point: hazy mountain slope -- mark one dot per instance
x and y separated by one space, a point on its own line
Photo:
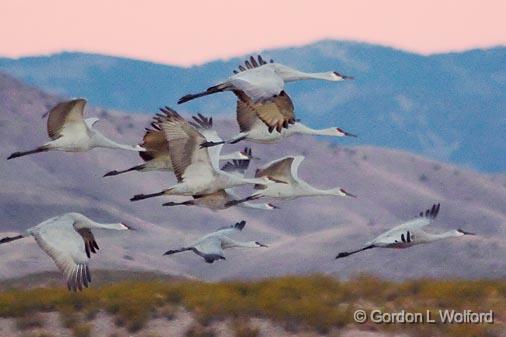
449 106
304 235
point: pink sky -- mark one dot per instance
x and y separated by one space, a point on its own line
192 32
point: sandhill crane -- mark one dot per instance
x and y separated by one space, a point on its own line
157 157
287 184
409 234
197 170
205 126
69 241
211 246
274 111
70 132
226 198
261 81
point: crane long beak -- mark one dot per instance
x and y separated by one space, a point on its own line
465 232
343 254
344 77
347 193
346 133
276 180
128 227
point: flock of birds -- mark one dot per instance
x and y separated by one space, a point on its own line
192 149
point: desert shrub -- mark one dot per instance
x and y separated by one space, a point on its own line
197 330
316 302
90 313
81 330
132 317
30 321
459 330
80 300
244 329
37 334
17 303
133 303
174 296
136 323
214 302
168 312
374 289
68 316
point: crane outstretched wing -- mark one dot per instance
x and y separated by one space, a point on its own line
67 248
259 84
154 141
424 218
64 113
252 63
282 169
90 244
184 146
238 166
406 230
237 227
209 246
276 113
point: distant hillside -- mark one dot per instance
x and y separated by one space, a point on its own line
101 278
303 236
449 107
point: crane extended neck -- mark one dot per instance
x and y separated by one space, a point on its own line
306 130
99 140
455 233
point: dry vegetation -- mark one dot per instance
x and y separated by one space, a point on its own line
317 303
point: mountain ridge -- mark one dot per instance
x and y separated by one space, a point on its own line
239 56
446 106
304 235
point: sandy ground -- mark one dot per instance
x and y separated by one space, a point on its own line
103 326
